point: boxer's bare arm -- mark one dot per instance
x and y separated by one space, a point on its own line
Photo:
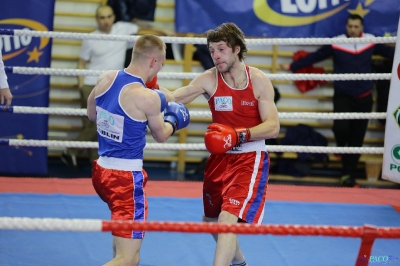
143 104
203 84
264 93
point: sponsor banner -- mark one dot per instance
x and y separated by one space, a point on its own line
391 157
287 18
28 90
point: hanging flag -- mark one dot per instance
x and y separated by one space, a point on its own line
391 156
27 90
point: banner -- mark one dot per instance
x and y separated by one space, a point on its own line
391 156
287 18
28 90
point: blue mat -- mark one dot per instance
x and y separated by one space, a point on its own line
171 249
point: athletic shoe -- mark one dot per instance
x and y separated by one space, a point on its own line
69 160
239 264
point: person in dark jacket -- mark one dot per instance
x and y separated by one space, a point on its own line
349 95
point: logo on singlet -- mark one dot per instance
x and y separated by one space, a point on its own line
223 103
109 125
244 103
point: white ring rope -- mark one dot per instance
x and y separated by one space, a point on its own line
183 75
195 40
96 225
193 146
171 75
50 224
205 114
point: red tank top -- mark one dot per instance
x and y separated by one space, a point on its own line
234 107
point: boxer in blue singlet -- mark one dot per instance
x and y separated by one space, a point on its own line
123 108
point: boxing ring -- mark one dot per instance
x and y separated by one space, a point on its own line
346 231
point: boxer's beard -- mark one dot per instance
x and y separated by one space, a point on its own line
228 66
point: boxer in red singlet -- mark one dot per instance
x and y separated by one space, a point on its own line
241 100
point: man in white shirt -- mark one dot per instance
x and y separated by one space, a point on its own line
100 55
5 94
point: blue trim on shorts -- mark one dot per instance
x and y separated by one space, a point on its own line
260 191
138 197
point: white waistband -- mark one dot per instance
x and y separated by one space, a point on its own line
120 164
257 145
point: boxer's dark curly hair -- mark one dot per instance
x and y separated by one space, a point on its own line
229 33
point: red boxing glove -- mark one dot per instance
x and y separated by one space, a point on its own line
152 84
221 138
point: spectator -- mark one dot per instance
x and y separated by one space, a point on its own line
128 10
349 96
5 94
140 12
102 55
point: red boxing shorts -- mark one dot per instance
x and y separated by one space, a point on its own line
124 193
236 183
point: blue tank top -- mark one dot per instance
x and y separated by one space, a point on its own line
119 135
